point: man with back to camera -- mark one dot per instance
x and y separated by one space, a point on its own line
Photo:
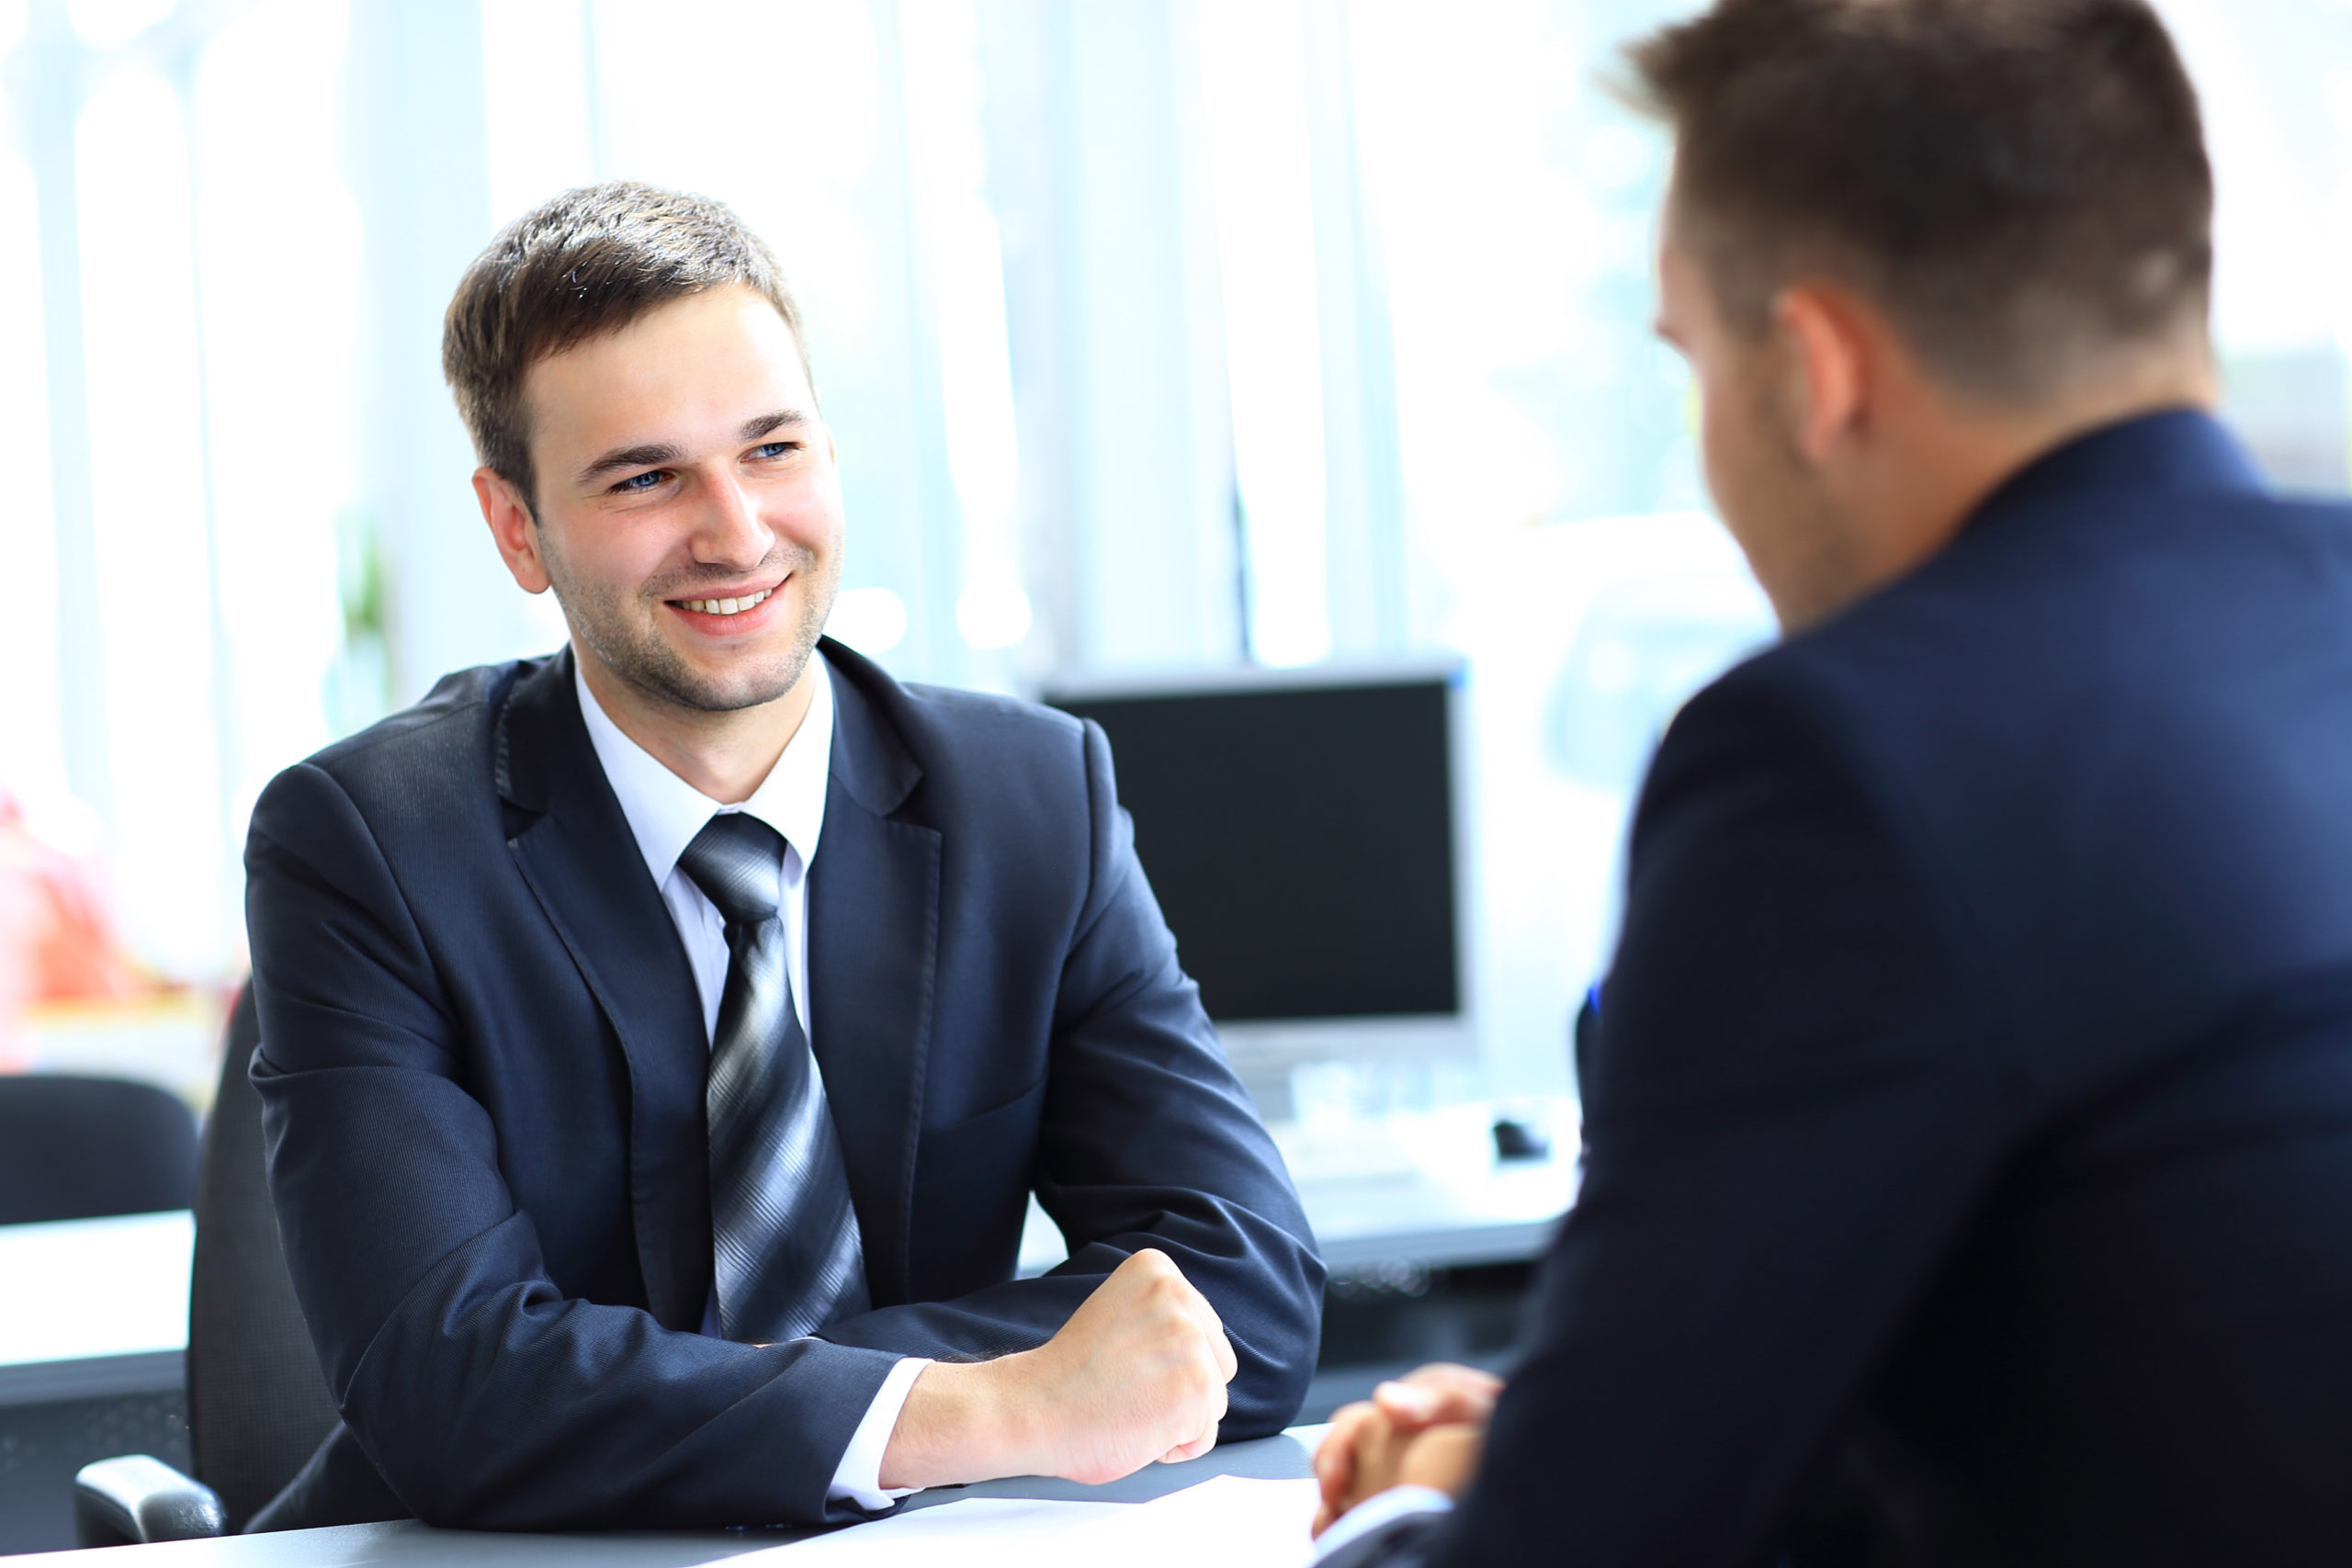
1969 1125
660 1041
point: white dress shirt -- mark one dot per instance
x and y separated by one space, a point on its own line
665 812
1378 1511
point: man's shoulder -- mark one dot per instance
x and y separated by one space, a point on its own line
2109 600
2131 704
444 744
2145 650
954 735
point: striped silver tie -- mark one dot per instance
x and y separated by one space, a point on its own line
786 1255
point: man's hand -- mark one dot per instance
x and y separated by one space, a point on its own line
1425 1429
1137 1374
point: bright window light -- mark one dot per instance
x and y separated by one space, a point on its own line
154 596
13 15
1492 236
1584 638
535 73
871 620
31 740
103 24
800 75
993 613
959 233
1254 80
279 238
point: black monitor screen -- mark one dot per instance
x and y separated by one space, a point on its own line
1301 840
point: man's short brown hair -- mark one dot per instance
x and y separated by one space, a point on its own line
2018 183
590 262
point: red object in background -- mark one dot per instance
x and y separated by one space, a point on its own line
58 941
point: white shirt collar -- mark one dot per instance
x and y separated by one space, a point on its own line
666 812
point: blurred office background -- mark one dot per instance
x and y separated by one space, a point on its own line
1163 335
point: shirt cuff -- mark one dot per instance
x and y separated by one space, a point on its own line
858 1478
1380 1509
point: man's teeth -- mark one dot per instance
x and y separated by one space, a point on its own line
726 606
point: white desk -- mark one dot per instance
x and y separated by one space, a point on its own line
412 1545
94 1308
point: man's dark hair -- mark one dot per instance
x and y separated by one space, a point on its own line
590 262
2015 182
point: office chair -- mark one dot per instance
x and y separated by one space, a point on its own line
74 1148
257 1404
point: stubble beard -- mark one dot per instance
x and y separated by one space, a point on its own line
620 631
1785 523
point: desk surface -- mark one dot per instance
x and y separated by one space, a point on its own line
94 1308
408 1544
97 1308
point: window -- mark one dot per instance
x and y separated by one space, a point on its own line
1169 333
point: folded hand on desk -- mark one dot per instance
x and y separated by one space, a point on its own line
1138 1373
1425 1429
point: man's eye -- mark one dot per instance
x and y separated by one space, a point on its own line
649 479
776 449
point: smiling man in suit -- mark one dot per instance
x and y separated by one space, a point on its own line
662 1039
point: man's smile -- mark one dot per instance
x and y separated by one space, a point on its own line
726 606
731 614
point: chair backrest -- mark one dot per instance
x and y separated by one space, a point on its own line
257 1404
74 1148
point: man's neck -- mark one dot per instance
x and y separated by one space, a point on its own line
726 756
1930 489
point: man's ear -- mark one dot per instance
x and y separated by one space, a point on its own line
509 516
1827 354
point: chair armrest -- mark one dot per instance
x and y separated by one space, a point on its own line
138 1498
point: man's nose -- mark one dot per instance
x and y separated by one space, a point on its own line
730 531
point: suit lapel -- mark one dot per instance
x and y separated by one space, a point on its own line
873 960
575 850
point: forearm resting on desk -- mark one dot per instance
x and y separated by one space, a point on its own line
1138 1373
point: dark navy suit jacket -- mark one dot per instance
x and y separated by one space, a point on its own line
481 1072
1970 1120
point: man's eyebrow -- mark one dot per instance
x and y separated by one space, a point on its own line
652 455
769 424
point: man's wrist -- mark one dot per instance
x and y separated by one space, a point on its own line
958 1425
857 1479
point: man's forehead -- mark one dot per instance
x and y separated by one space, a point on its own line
712 361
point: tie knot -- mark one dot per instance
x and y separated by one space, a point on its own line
738 862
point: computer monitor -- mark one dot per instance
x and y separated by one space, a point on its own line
1303 832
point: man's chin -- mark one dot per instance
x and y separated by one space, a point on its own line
728 696
682 686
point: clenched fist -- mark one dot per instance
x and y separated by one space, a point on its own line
1138 1373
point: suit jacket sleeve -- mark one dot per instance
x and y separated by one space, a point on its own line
1790 1113
481 1394
1148 1141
